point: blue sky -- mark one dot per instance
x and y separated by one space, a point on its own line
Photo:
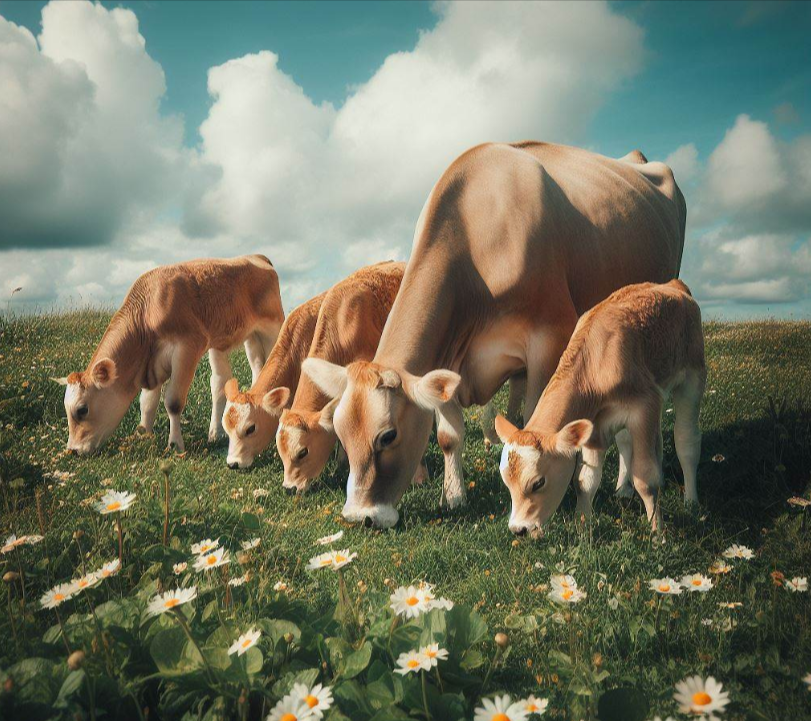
726 84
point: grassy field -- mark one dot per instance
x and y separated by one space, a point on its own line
756 419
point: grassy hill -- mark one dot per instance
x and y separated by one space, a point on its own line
756 419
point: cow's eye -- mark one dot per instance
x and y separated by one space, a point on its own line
540 483
250 429
302 453
386 438
81 412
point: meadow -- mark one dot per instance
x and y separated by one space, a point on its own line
617 653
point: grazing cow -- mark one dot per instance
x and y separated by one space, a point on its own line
350 322
626 355
171 316
251 419
514 243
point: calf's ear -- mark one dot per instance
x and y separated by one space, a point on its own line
231 389
572 436
325 420
60 381
103 373
330 378
274 401
504 429
436 388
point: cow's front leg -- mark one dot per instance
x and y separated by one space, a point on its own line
220 373
184 362
588 479
421 474
150 398
450 435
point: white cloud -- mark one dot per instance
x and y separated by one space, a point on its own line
683 161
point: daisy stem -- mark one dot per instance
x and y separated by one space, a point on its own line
120 539
425 696
165 508
178 614
391 633
100 632
62 628
439 680
490 670
656 617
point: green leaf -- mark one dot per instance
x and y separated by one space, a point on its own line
357 662
254 660
251 521
623 704
71 686
174 654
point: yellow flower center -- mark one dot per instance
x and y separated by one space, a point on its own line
339 558
311 700
326 561
430 653
247 642
83 583
171 602
413 663
567 594
59 597
500 717
664 588
701 698
114 506
289 717
211 560
696 581
531 708
412 601
105 572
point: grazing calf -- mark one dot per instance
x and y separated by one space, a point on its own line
171 316
626 354
349 326
251 419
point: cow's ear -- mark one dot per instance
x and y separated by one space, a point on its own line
504 429
231 389
388 378
436 388
274 401
103 373
326 418
330 378
573 436
60 381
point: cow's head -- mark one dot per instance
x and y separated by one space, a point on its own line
94 404
305 441
383 420
537 470
250 422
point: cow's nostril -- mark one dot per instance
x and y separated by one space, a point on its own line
520 531
368 522
73 452
233 466
291 490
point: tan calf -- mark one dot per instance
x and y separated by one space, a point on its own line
625 356
171 316
251 419
349 326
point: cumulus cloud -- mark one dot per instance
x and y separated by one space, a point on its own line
683 161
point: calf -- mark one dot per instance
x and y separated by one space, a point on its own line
171 316
251 419
626 354
350 322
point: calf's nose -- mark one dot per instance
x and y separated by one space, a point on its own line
290 490
233 465
520 531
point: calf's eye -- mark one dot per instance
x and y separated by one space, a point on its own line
302 453
81 412
387 438
540 483
250 429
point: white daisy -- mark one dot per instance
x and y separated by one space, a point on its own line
797 584
290 709
86 582
699 697
500 708
323 560
244 642
253 543
238 581
666 586
342 558
434 654
260 492
410 601
412 662
57 595
178 568
567 595
280 586
205 546
720 566
216 558
115 502
326 540
433 602
111 568
533 704
736 551
696 582
565 582
318 698
164 602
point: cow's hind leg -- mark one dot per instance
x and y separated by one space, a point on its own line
590 473
686 432
149 408
625 486
184 362
645 426
220 373
450 434
255 350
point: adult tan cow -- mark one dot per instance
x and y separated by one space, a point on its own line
171 316
250 419
350 322
514 243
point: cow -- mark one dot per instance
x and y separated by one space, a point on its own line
627 354
514 243
170 317
250 419
350 322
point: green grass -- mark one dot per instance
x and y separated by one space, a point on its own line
760 651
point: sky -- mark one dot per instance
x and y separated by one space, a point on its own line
134 134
